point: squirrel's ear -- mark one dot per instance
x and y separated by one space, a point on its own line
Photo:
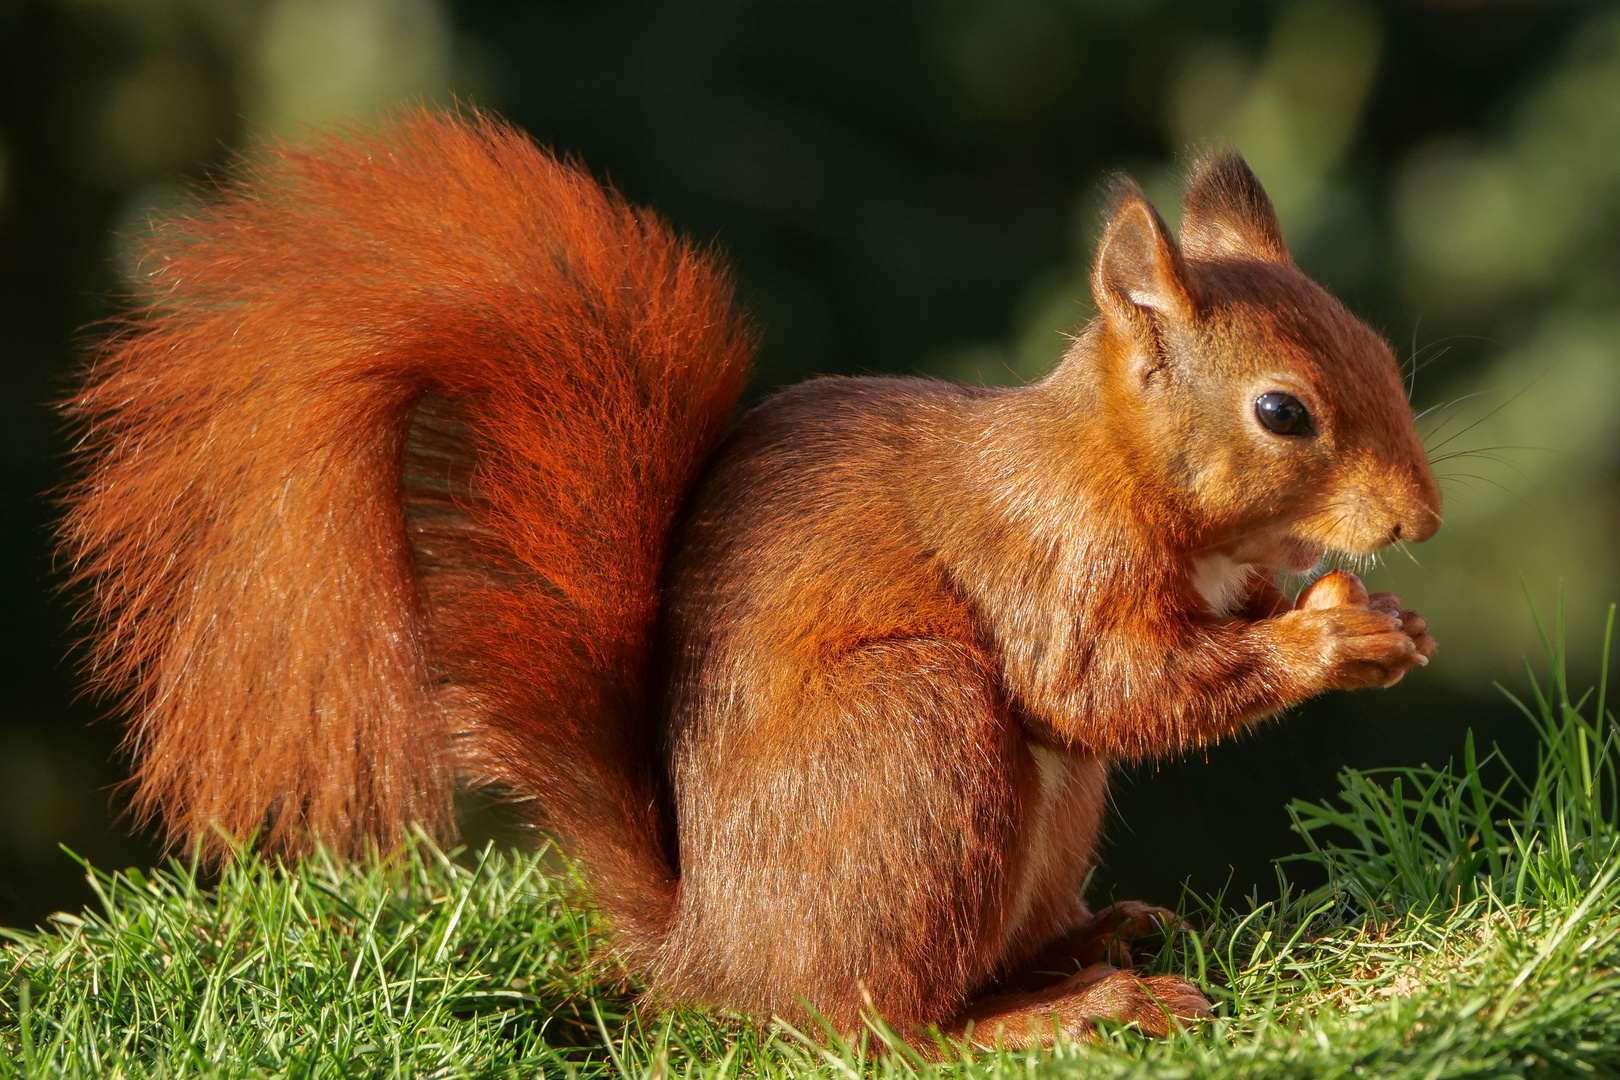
1138 267
1226 214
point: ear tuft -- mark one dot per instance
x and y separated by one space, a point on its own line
1139 267
1226 214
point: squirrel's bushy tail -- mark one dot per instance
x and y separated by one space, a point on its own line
378 489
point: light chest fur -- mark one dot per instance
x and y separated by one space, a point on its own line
1222 582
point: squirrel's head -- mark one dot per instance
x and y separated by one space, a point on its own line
1274 423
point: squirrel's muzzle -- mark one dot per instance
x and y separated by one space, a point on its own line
1410 506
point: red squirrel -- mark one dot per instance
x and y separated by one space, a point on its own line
418 468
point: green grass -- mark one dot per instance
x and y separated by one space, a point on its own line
1470 927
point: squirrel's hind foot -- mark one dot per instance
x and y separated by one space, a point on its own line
1154 1004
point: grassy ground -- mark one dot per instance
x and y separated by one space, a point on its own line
1471 927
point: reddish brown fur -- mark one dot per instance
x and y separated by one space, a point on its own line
384 480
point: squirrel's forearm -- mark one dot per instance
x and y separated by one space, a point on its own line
1265 600
1202 682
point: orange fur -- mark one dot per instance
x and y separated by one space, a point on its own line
404 479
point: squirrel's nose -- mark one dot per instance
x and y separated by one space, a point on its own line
1416 526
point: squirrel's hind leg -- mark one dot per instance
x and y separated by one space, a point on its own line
844 841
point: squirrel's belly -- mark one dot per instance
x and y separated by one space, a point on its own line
1060 832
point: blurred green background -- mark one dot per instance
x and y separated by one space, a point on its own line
911 186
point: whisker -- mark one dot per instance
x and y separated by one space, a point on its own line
1440 425
1498 485
1441 347
1440 351
1411 381
1522 391
1485 449
1442 406
1506 463
1439 354
1447 404
1513 465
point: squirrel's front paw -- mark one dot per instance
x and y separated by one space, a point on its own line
1413 626
1360 640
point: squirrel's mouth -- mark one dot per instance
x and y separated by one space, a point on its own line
1296 556
1285 552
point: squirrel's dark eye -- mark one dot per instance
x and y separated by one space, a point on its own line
1283 413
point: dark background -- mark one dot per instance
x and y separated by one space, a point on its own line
908 187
